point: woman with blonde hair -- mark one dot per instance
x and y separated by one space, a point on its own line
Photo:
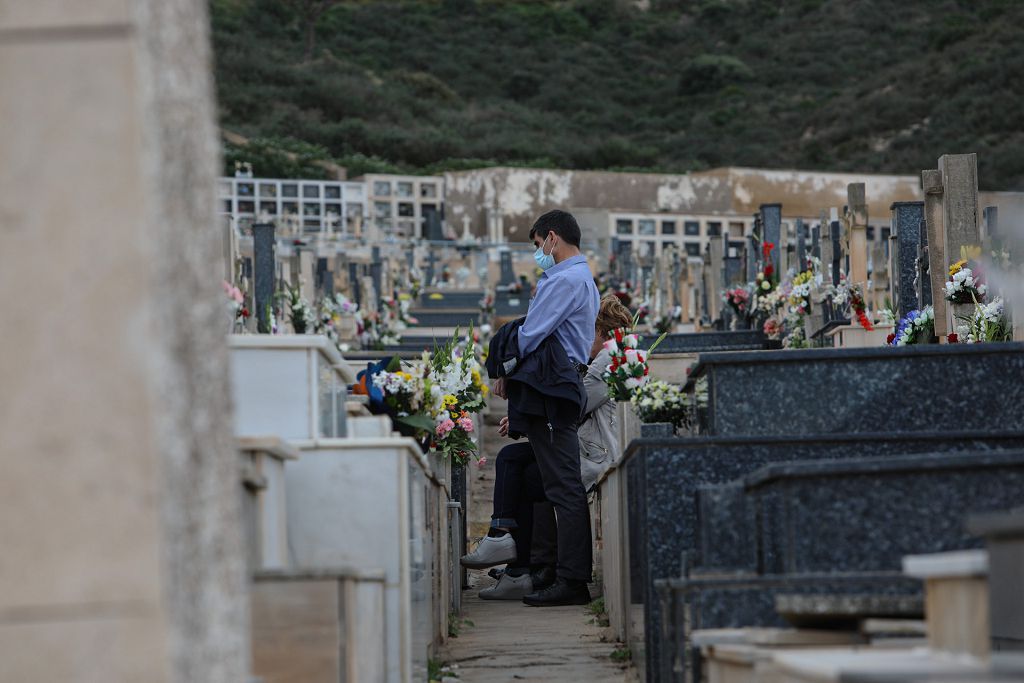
518 486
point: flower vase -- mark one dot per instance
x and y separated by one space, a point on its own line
961 314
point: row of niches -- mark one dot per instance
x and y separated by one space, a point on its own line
283 208
403 188
273 190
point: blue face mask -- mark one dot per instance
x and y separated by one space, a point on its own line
544 261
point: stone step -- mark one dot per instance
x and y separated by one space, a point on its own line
909 389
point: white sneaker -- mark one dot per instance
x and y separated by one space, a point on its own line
509 588
491 551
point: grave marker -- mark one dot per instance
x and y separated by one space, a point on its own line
431 263
959 215
931 184
324 278
716 278
771 222
801 246
263 245
353 279
307 274
858 236
922 280
907 225
835 251
750 256
376 271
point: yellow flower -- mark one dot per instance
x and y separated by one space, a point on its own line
484 390
450 400
970 252
403 374
955 268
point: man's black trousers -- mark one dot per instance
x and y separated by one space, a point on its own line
558 457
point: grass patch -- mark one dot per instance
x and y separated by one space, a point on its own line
457 624
596 609
621 655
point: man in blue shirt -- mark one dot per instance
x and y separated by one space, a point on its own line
566 306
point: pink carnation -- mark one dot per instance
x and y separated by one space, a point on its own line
444 427
465 424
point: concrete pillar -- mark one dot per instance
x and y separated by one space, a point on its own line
119 503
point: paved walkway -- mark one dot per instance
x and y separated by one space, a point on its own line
509 641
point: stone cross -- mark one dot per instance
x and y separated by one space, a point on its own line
263 244
858 235
931 184
907 226
771 223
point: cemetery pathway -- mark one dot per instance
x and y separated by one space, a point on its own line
507 641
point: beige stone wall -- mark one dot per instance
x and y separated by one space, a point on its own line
119 500
518 196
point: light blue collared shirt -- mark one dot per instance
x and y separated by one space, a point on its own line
566 305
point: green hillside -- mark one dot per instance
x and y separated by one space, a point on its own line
869 85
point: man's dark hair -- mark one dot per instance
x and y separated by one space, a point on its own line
559 222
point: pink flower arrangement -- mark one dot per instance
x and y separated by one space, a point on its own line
465 424
738 298
444 427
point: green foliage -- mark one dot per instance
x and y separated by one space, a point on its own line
427 86
277 158
621 655
597 610
456 624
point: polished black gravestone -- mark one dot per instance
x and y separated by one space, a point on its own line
908 224
264 265
821 529
667 476
860 391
